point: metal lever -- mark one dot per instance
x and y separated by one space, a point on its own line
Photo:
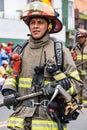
60 89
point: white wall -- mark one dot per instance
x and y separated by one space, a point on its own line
11 7
71 15
10 28
57 4
13 29
61 36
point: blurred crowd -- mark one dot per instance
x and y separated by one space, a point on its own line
5 53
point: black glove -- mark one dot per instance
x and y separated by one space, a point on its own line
62 79
59 76
49 89
10 100
65 83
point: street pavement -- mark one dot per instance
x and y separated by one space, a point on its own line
4 113
79 124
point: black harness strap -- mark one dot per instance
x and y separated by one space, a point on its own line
58 47
19 48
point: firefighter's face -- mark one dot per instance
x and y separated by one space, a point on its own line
38 27
81 40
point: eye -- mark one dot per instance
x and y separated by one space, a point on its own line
32 22
40 22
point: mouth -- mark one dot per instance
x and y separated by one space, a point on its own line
36 31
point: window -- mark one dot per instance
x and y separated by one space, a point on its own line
70 9
1 5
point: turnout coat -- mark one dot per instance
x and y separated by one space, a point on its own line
34 53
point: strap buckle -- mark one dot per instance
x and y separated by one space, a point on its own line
32 103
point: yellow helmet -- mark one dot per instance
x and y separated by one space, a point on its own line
42 10
4 44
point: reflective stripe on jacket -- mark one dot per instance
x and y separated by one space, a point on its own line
83 72
81 52
47 125
14 122
10 83
74 75
79 57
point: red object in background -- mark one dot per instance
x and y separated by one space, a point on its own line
10 43
74 55
8 49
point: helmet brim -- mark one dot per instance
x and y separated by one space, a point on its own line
57 24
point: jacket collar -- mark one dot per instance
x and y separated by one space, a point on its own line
39 43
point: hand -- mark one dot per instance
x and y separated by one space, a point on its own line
10 100
62 80
65 83
49 89
59 76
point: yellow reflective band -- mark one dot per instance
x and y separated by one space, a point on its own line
15 122
64 127
75 75
83 72
84 57
24 85
44 124
84 101
25 79
47 82
25 82
78 57
10 82
8 71
71 91
59 76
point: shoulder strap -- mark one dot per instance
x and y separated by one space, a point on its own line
19 48
58 47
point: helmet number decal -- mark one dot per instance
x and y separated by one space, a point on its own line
35 6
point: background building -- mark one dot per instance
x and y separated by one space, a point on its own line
81 14
68 20
11 27
14 29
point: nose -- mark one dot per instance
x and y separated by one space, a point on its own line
36 25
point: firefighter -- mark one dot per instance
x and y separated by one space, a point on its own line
39 71
80 58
